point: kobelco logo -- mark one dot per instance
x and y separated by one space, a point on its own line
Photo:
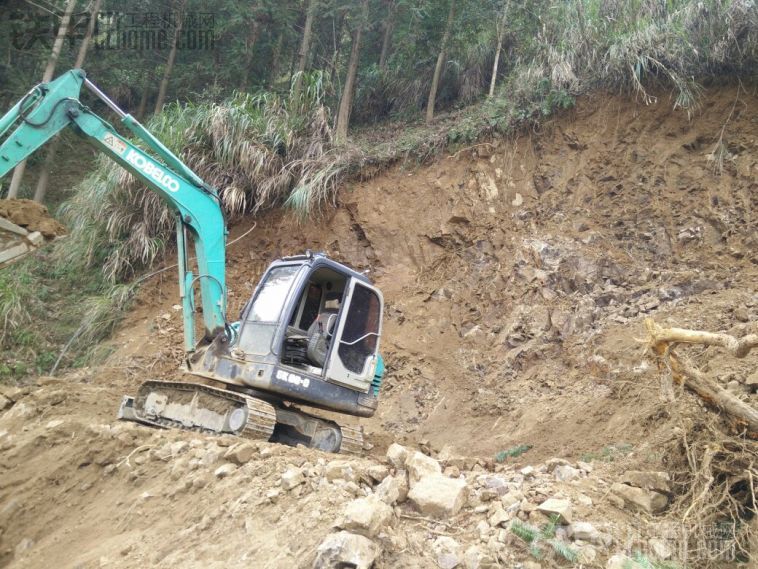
153 171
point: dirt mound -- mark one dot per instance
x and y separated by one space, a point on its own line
32 216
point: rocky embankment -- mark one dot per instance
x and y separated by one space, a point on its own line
119 487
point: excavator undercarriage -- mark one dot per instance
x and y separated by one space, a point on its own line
213 410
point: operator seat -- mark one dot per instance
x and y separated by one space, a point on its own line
319 338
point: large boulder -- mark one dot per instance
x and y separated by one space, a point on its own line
439 496
345 549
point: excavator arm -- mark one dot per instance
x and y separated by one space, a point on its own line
50 107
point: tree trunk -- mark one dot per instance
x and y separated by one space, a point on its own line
494 69
440 63
389 27
142 108
18 172
276 57
500 34
346 102
44 178
305 45
82 55
337 31
252 39
170 63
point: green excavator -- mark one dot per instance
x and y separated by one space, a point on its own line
309 336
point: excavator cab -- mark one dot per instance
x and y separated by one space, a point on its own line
309 336
314 317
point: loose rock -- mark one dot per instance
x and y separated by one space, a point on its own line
345 549
366 516
640 500
396 455
419 465
584 531
438 496
240 453
340 469
658 481
393 489
447 552
564 473
225 470
499 517
292 478
559 507
377 472
622 562
660 548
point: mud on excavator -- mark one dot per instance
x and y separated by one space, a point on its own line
308 336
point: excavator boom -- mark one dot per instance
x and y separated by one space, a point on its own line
50 107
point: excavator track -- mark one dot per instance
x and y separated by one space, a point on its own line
352 440
201 408
196 407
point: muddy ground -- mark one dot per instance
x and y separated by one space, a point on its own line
516 276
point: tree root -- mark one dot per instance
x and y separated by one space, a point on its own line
662 342
717 505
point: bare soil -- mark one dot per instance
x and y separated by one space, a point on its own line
516 277
32 216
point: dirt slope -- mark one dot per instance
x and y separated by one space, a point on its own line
517 274
516 277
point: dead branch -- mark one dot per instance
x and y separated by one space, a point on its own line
738 347
662 342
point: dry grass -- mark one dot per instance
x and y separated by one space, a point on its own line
259 151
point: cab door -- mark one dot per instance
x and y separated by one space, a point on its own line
355 345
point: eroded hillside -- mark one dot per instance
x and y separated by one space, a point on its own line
516 277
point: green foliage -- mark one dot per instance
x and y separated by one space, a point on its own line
260 151
641 560
45 305
609 453
19 300
536 538
511 452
